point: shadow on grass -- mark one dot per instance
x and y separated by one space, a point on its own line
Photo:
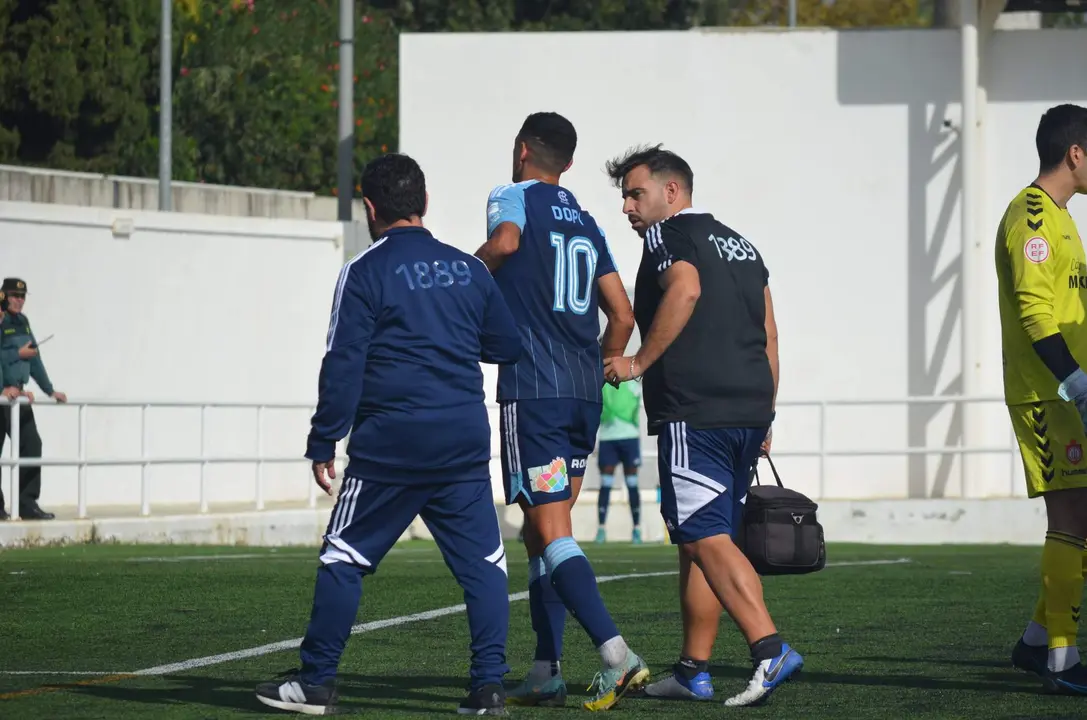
358 693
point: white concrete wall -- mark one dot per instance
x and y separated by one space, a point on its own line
63 187
189 307
826 149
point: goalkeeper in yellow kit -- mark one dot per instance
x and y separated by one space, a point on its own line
1042 282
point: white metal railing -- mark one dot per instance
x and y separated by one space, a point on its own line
82 462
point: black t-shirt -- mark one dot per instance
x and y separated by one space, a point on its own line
716 373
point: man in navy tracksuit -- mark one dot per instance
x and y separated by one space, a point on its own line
411 320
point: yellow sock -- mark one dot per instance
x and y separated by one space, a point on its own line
1062 582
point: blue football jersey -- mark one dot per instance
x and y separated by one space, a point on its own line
550 287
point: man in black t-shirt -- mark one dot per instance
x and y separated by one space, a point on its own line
709 363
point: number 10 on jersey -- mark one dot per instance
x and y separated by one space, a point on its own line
568 290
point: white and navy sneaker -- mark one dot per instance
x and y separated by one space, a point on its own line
769 675
486 700
678 686
294 695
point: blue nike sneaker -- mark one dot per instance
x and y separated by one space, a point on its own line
769 675
677 686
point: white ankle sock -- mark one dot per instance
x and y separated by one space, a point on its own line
1035 635
614 652
1063 658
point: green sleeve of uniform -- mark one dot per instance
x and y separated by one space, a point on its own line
37 370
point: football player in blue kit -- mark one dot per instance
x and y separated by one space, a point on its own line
412 318
553 266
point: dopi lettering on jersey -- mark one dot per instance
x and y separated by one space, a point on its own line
1036 250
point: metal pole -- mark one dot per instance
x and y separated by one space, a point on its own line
346 147
792 13
973 419
166 106
14 430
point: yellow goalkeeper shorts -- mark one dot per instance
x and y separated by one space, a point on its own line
1051 440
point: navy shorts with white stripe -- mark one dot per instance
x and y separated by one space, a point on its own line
546 444
704 476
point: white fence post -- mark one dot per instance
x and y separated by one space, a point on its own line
145 472
260 454
13 419
81 476
822 449
312 484
203 460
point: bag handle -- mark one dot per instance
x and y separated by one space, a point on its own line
772 468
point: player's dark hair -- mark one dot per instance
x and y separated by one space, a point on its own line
551 140
395 184
659 162
1060 128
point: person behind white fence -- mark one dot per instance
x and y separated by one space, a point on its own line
20 361
620 446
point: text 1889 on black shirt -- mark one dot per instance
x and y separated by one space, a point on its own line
716 373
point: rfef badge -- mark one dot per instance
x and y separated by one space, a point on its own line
1074 452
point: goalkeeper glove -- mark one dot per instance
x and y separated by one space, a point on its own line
1074 389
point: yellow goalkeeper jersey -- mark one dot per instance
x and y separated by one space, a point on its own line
1042 283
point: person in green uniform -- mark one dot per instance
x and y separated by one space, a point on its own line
20 361
5 412
620 445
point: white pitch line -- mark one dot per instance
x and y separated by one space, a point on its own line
375 625
251 556
356 630
238 556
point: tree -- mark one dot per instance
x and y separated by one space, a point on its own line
75 80
255 81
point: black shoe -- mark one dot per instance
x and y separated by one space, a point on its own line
290 693
4 515
35 513
487 700
1072 681
1030 658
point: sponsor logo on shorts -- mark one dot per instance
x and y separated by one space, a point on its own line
578 463
551 478
1074 452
